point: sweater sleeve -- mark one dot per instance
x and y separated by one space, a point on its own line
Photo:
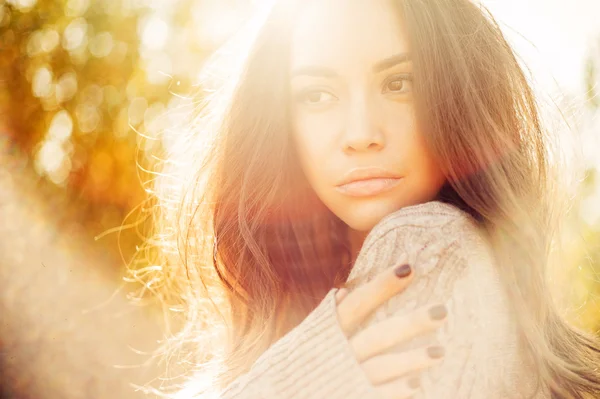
453 264
312 361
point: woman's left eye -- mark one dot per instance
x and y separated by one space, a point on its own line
398 85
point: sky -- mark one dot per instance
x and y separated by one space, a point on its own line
553 36
554 39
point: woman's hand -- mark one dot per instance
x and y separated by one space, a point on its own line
392 374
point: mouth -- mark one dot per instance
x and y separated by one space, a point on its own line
368 187
368 181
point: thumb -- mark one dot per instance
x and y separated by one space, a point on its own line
340 295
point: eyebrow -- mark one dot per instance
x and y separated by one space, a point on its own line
380 66
391 62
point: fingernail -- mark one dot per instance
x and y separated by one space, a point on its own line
414 383
402 271
435 352
438 312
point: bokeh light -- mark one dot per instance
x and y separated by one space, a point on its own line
75 34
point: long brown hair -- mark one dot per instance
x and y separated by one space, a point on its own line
247 250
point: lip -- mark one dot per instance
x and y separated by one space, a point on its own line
358 174
368 187
361 182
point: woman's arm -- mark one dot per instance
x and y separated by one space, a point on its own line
452 265
314 360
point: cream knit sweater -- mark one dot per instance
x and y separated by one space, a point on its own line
453 264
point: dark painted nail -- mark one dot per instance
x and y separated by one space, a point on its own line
402 271
435 352
414 383
438 312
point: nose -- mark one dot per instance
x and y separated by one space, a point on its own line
362 132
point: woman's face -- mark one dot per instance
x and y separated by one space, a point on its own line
352 107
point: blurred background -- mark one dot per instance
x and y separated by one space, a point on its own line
85 88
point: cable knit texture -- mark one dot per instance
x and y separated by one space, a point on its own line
453 264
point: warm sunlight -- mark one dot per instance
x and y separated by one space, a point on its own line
553 36
109 109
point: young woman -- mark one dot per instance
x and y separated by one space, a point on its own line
356 136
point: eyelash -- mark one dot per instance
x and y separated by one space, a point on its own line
301 97
401 77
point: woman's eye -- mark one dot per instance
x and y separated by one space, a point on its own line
316 97
398 85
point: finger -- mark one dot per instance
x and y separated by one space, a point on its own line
391 366
404 388
390 332
366 298
340 295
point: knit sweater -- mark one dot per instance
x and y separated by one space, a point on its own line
454 265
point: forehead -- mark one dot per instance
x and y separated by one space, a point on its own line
347 33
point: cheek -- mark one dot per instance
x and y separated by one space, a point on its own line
417 161
313 137
310 155
425 168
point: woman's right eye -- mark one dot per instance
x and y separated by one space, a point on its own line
316 97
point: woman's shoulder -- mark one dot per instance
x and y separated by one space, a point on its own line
427 235
437 218
452 261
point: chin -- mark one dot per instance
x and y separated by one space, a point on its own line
364 215
361 225
364 218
